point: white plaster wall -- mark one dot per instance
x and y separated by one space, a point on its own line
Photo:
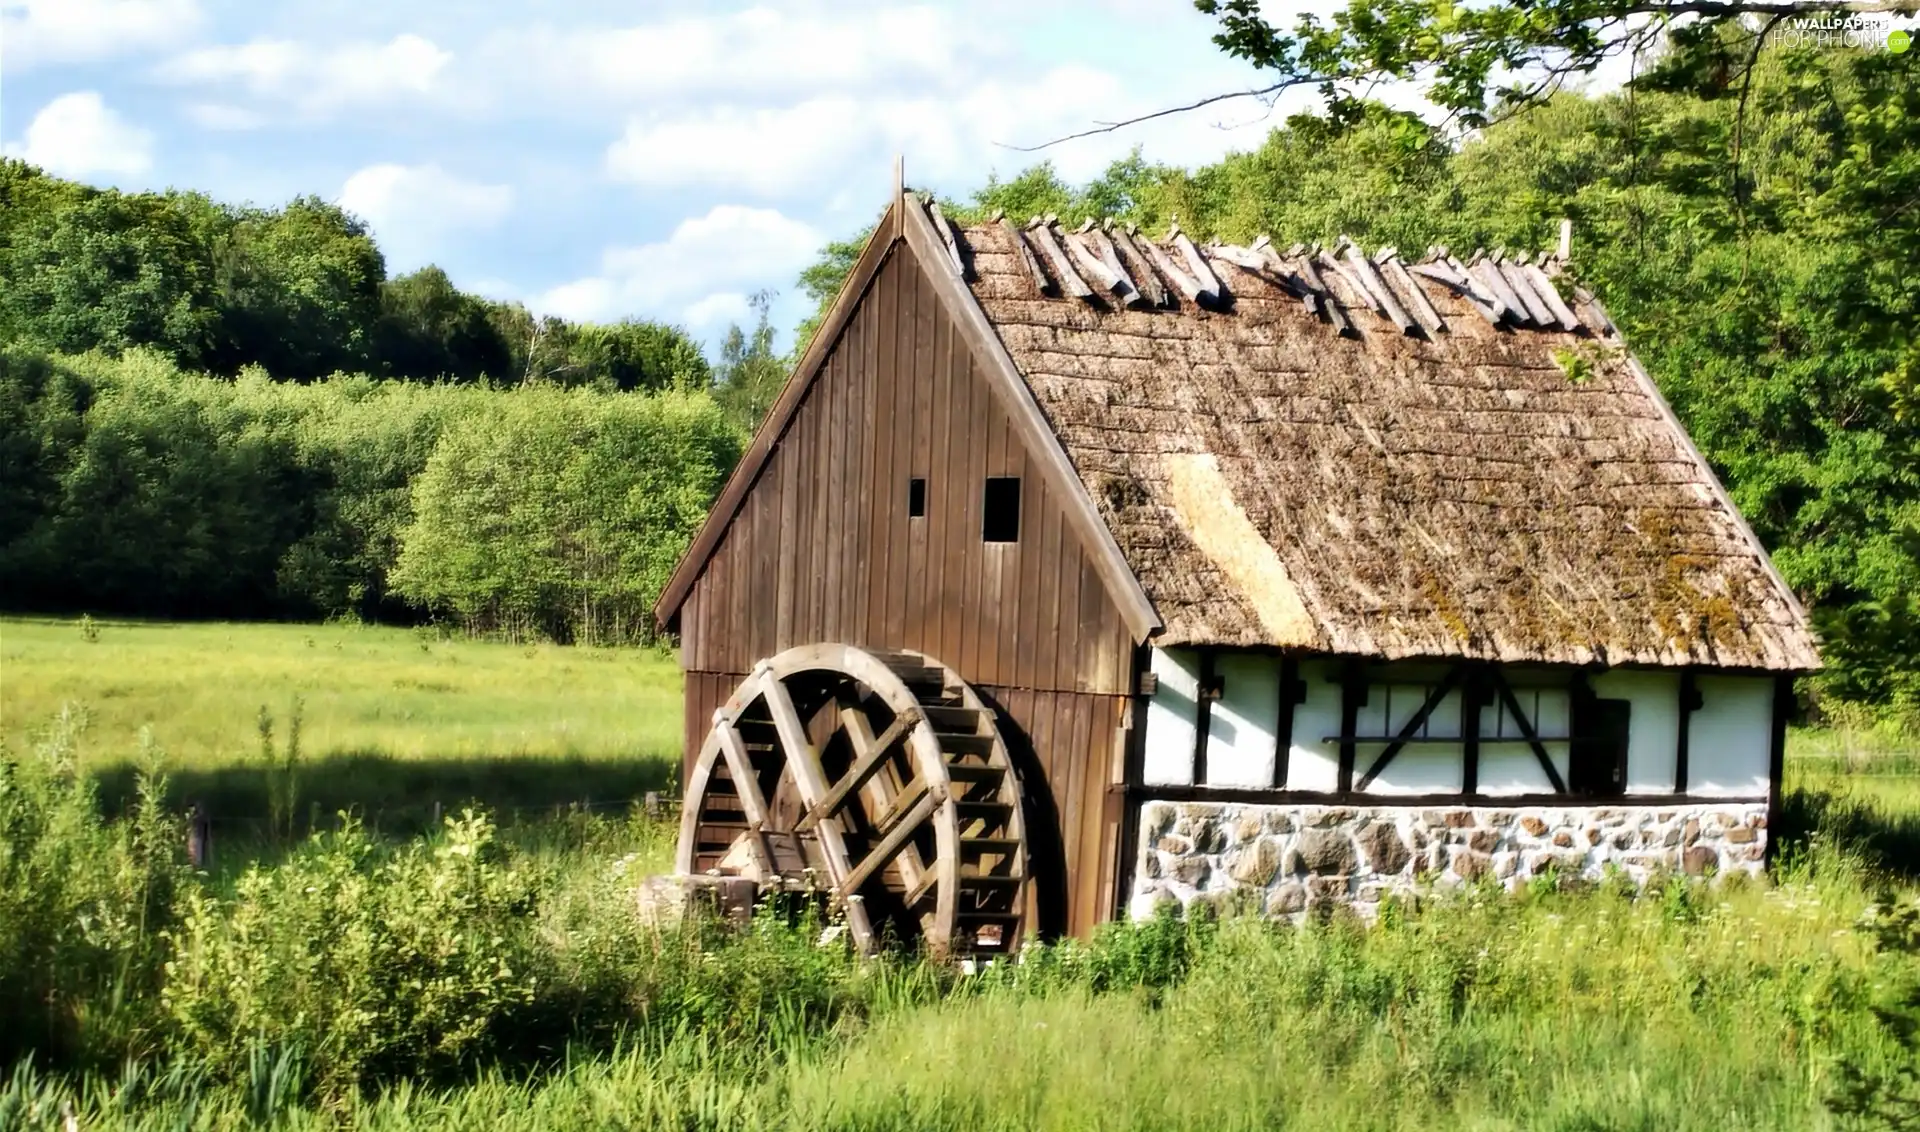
1730 737
1240 727
1513 768
1653 727
1419 768
1313 763
1170 716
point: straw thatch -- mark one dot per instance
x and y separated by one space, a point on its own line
1443 469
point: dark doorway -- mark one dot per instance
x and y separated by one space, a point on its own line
1598 759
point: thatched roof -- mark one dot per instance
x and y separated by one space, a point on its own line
1363 455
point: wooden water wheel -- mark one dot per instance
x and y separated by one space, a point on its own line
876 777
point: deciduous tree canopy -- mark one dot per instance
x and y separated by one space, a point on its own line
301 291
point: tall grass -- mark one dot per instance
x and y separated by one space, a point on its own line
1697 1009
468 980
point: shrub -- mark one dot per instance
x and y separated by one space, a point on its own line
364 962
561 513
129 485
83 905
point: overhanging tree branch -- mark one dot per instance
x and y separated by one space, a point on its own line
1456 51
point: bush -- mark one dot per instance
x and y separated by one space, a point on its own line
362 962
84 906
561 513
128 485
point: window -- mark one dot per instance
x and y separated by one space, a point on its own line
1000 510
916 497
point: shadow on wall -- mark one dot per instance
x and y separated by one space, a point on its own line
397 796
1046 850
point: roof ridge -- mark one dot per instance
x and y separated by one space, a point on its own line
1107 262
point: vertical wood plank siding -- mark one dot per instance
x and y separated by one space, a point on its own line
822 549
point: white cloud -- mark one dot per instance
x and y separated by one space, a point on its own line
77 136
715 311
317 80
755 53
39 32
763 149
696 275
412 208
813 146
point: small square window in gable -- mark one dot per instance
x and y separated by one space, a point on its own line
1000 510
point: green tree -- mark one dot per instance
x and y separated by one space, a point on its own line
431 329
107 270
750 373
561 513
636 355
1479 62
821 282
300 291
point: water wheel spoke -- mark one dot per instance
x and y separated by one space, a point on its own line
804 760
869 756
883 854
753 807
915 830
883 785
907 800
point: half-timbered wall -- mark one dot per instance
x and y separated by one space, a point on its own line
1291 783
1221 715
823 548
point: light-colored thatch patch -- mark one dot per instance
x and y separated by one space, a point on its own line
1203 501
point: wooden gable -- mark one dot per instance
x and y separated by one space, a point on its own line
812 541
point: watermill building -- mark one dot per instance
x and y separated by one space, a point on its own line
1079 570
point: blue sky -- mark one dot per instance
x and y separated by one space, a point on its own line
600 160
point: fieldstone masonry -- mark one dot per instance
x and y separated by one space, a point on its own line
1290 858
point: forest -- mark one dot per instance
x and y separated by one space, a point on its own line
276 418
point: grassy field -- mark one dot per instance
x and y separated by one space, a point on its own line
1739 1006
391 720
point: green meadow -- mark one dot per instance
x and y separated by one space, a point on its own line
390 721
493 971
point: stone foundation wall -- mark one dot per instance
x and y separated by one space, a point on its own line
1288 858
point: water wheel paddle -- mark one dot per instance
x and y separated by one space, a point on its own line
876 776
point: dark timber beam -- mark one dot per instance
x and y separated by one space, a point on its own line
1783 709
1265 797
1526 729
1293 693
1412 727
1690 702
1130 805
1353 696
1473 696
1203 697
